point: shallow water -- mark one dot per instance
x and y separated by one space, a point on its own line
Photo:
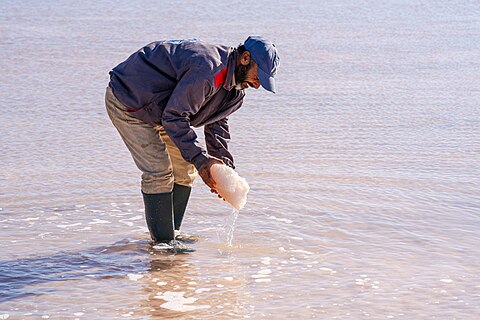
364 167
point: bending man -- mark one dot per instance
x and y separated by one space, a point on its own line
160 92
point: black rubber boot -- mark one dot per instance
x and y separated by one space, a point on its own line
159 216
181 194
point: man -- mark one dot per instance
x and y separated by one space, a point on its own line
161 91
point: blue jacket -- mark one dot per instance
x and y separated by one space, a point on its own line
178 84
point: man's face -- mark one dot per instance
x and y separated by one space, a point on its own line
247 76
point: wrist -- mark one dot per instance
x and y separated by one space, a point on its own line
200 160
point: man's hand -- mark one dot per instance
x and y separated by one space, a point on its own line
204 172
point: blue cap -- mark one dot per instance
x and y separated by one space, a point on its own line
264 53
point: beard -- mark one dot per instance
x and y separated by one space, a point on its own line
241 74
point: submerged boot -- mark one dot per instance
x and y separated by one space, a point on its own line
181 194
159 216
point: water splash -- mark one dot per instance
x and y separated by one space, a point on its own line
173 246
226 233
230 226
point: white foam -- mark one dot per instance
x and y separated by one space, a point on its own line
263 280
69 225
265 271
31 219
296 238
230 185
78 314
135 277
298 251
177 302
128 223
325 269
4 316
134 218
41 235
302 251
281 219
98 221
266 260
161 283
446 280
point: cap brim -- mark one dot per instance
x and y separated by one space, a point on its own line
267 82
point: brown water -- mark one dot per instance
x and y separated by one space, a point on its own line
364 167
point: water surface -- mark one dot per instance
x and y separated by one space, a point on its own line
364 167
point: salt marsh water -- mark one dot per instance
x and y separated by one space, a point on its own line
364 168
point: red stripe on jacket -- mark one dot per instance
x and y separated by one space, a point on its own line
221 77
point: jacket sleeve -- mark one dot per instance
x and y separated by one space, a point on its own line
217 137
186 99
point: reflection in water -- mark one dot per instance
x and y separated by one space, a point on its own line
186 291
172 285
169 294
18 276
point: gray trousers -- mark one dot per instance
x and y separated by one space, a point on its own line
152 150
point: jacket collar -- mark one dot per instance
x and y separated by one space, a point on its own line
230 78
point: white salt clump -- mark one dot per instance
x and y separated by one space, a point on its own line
230 185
